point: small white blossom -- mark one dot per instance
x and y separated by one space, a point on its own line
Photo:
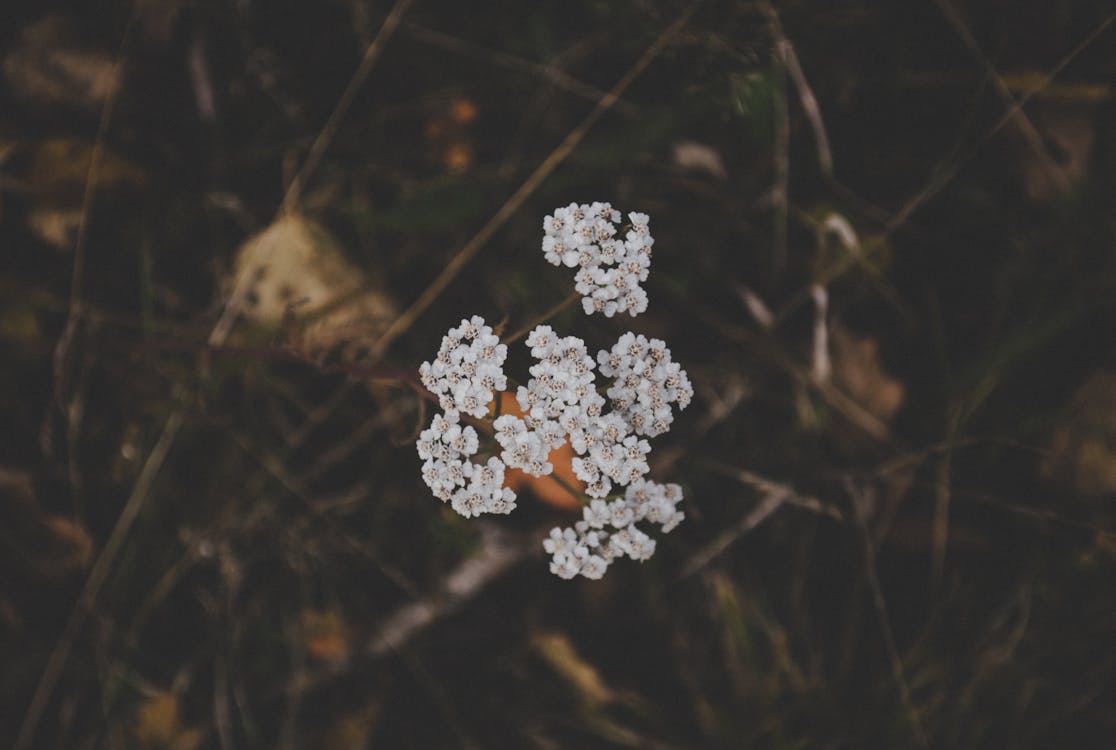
657 503
610 269
645 383
525 448
467 369
485 492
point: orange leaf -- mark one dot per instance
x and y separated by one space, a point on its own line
545 488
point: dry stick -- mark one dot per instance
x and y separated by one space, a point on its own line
97 577
542 318
512 204
949 172
75 407
951 169
313 157
329 130
77 275
1018 118
99 574
775 495
880 605
780 191
770 503
61 356
809 104
552 74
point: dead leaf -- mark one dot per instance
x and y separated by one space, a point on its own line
1068 133
449 140
547 489
559 653
325 635
57 178
59 170
698 157
1083 445
158 725
296 271
51 546
857 372
50 65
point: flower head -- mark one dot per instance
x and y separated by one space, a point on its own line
467 369
610 268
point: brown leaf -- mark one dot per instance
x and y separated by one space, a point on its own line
559 653
1083 445
296 271
858 373
325 635
49 65
156 722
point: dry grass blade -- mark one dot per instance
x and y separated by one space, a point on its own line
96 580
880 605
512 204
774 496
329 130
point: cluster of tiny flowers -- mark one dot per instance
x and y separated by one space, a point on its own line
464 374
646 382
470 488
610 269
607 530
561 402
467 369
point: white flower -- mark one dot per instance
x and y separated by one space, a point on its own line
632 542
610 269
525 448
657 503
467 369
485 492
646 382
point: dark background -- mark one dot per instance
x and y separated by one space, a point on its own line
226 542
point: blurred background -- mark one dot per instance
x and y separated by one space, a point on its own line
230 231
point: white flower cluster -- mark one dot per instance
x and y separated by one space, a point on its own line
561 402
610 270
464 374
607 530
646 383
470 488
467 369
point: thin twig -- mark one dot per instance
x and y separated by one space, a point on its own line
1022 123
97 577
770 503
514 63
880 605
949 171
573 297
513 203
136 501
780 190
77 273
809 104
774 496
329 130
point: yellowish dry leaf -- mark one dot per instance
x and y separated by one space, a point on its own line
1083 446
559 653
295 270
857 372
325 635
156 722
